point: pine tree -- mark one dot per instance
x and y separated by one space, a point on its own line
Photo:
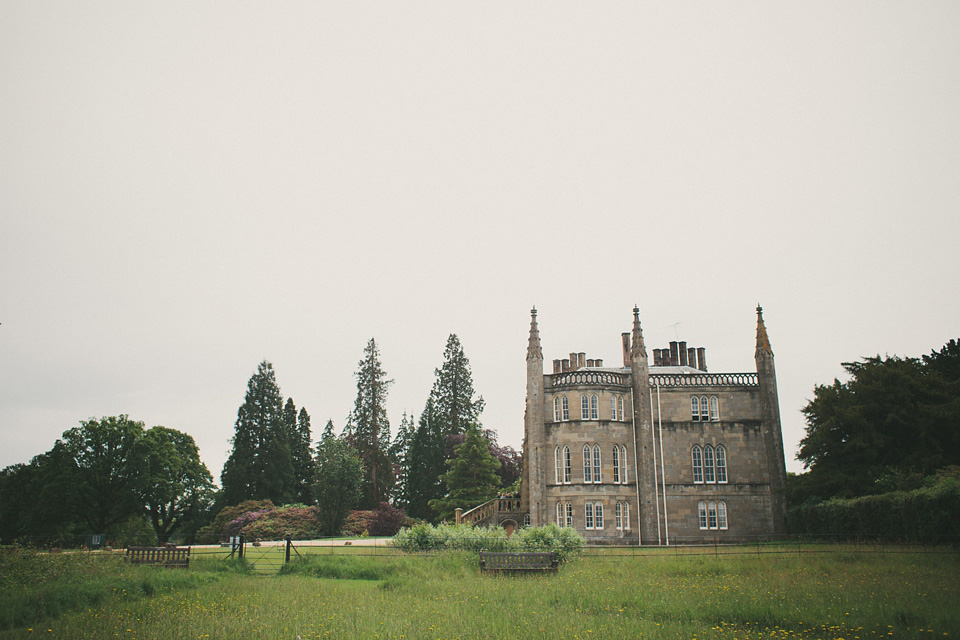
472 478
368 429
328 431
260 465
454 405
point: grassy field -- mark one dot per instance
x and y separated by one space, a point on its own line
829 594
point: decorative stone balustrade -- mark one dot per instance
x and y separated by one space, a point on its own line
571 378
704 380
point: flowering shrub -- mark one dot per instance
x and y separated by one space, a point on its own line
565 542
298 523
216 530
357 523
239 524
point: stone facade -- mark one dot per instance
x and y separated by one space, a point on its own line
661 454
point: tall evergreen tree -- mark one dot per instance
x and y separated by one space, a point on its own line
328 430
425 464
368 429
453 396
302 454
472 478
337 486
399 453
260 465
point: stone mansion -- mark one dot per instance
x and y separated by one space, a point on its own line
660 452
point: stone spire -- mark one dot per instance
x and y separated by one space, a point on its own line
763 341
533 344
638 348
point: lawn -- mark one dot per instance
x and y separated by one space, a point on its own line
832 593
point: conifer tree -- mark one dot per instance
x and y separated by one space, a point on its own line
453 397
425 463
260 465
399 453
472 478
368 428
301 454
328 431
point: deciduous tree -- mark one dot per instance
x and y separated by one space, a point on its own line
338 481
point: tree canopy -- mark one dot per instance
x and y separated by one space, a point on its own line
472 478
893 420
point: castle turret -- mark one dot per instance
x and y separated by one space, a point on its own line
772 433
646 469
533 488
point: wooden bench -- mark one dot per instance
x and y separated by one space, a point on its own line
521 561
175 557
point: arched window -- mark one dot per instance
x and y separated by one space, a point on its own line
704 410
569 515
594 407
712 514
556 409
613 408
626 516
526 519
721 464
695 409
565 404
596 463
623 464
584 408
708 474
618 516
588 515
587 466
697 464
560 514
557 466
598 515
616 464
702 514
566 465
620 407
722 515
714 408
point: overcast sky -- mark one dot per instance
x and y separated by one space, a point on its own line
187 189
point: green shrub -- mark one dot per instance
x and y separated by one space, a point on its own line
565 542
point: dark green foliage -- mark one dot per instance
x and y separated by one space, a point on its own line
472 478
400 455
338 480
302 455
927 514
175 485
564 541
426 462
386 520
368 429
260 465
894 418
454 405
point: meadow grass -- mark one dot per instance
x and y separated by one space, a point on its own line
820 595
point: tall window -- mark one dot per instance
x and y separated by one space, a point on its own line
616 464
623 464
702 514
565 406
588 515
594 407
569 515
620 407
596 463
613 407
566 465
704 410
626 516
526 519
695 409
560 518
556 409
712 514
721 464
708 474
714 408
557 466
598 515
587 466
722 515
584 408
697 464
618 516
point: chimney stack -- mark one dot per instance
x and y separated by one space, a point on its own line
556 366
625 338
682 348
674 353
702 358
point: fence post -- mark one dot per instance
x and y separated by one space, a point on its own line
289 544
240 548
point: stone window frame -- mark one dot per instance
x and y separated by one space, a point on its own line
556 409
702 514
704 409
584 407
714 409
626 516
613 408
565 409
598 516
709 470
624 476
557 470
594 407
721 464
559 514
567 459
620 407
587 464
561 465
722 515
697 459
597 465
588 515
618 516
526 519
712 515
569 514
616 464
695 408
